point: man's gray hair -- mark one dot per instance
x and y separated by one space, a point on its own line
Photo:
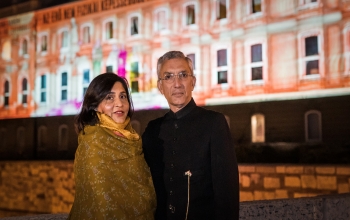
173 55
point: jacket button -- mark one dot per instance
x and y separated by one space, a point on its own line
172 208
174 139
172 165
174 152
171 179
170 192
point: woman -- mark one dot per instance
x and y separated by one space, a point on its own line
112 178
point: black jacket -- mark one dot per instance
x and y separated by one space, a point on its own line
199 141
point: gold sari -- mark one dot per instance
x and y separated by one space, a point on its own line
112 179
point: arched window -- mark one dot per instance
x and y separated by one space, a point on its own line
24 91
6 93
42 138
258 128
20 140
313 126
63 138
25 47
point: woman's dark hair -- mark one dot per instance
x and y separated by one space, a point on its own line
98 89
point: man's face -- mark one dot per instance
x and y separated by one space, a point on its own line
178 92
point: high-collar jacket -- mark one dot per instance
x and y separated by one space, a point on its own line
193 165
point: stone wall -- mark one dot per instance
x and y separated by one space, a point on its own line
48 186
261 182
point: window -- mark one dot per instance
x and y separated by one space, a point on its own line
20 140
222 66
64 39
308 4
24 91
220 9
258 128
25 47
161 20
192 56
303 2
256 6
190 15
313 126
6 50
44 43
6 93
86 80
42 138
134 74
311 52
86 35
256 62
109 69
43 88
63 138
109 30
134 25
64 86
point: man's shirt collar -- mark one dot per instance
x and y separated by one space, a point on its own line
184 111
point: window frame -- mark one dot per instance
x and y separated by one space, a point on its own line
63 144
307 138
104 33
24 47
156 25
303 59
307 4
249 64
139 24
217 4
61 44
6 94
42 138
40 43
64 87
215 68
184 15
43 90
24 94
254 123
6 50
86 84
82 33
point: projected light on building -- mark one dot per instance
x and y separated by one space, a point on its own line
243 51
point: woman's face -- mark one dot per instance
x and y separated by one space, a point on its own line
115 104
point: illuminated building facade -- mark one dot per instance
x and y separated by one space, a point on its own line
244 51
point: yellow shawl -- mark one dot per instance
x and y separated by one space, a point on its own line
112 178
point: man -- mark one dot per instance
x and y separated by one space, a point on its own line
190 151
